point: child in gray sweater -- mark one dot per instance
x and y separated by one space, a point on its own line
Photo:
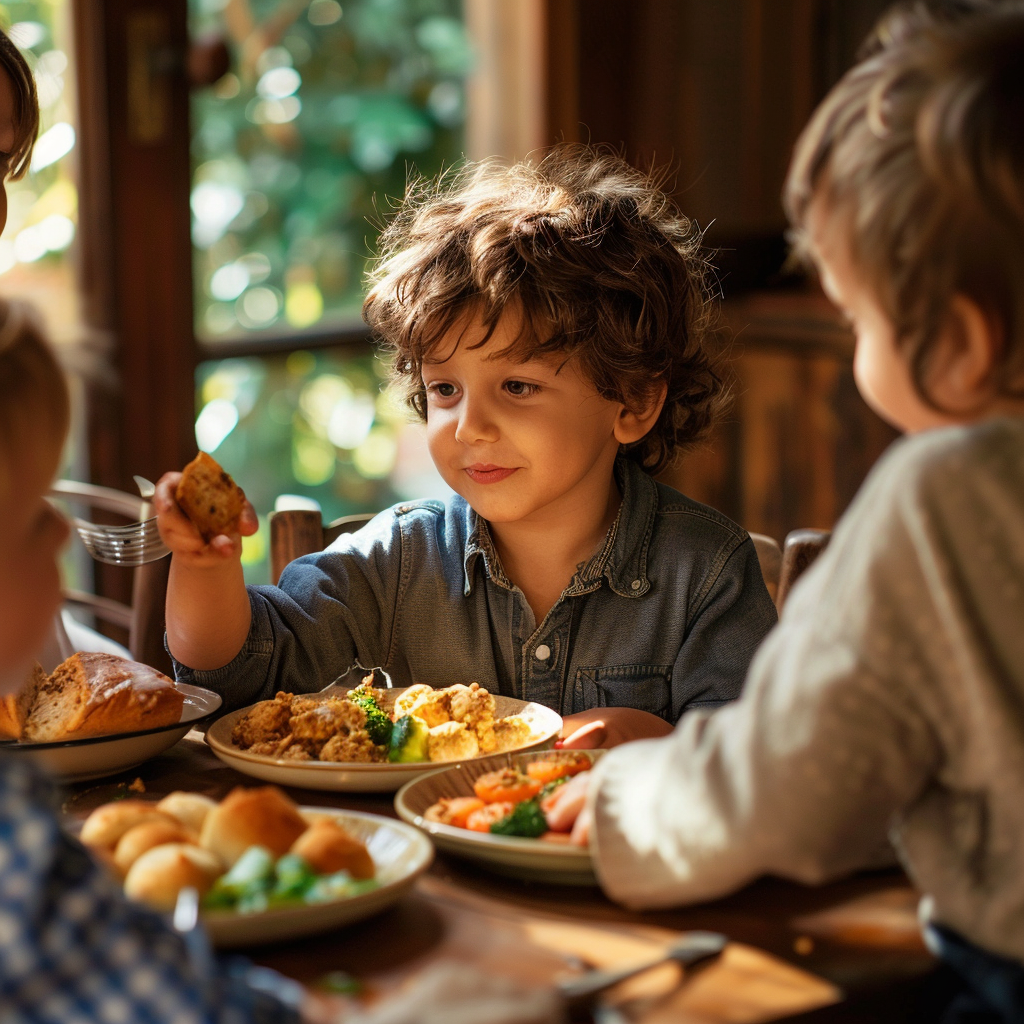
890 698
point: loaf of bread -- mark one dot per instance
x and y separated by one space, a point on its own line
209 497
94 694
15 707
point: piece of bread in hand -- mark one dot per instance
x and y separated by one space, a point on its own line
16 707
93 694
209 497
263 816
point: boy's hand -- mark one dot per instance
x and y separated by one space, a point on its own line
179 533
566 809
608 727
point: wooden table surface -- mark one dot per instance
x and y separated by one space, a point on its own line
842 952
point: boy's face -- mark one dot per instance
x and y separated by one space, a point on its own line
521 442
880 369
32 533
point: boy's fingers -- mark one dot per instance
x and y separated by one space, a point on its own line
587 737
248 522
580 835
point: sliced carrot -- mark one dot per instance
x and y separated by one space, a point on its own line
453 810
572 763
506 784
481 820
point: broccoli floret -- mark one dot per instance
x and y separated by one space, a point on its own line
378 724
409 740
526 819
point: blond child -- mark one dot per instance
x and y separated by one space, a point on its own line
549 323
890 699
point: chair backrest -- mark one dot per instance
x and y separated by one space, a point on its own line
800 551
144 618
769 557
296 532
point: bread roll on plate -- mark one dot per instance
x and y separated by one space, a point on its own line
327 847
105 826
190 809
262 816
140 838
160 873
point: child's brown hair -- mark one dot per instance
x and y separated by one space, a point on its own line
34 404
917 157
26 108
588 251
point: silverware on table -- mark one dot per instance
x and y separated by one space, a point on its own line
691 948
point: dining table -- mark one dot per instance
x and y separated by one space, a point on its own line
849 950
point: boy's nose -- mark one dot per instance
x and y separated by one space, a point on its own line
475 423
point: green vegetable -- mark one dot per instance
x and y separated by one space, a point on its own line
550 787
251 875
378 724
409 740
294 877
526 819
339 983
333 887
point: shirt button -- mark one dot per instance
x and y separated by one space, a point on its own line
636 584
542 653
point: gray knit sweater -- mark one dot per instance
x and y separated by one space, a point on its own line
889 699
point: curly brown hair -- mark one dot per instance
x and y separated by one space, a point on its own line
26 108
916 157
589 252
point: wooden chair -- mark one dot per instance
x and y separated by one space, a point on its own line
800 551
144 618
298 532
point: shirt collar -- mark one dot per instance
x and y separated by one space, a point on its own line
621 559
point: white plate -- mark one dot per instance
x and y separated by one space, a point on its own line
97 756
400 854
509 855
348 777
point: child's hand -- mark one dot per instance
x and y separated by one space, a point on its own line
608 727
566 809
179 533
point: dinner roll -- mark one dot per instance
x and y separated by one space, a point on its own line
140 838
327 848
251 817
189 808
160 873
106 825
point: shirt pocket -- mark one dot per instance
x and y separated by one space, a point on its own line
646 687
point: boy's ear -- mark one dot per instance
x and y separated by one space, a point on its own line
631 425
961 375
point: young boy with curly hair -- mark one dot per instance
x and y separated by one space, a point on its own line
550 324
890 699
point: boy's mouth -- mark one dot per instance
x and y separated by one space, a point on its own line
485 474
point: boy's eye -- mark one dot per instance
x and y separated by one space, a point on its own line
441 389
520 388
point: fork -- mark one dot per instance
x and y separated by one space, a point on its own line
134 544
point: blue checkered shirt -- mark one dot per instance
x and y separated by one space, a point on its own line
74 949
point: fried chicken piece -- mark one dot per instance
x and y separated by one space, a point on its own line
433 706
313 728
474 706
267 721
296 752
353 745
452 741
511 732
272 748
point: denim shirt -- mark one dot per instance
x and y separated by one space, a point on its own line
665 616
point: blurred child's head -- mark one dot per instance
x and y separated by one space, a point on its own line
907 189
34 414
584 257
19 117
